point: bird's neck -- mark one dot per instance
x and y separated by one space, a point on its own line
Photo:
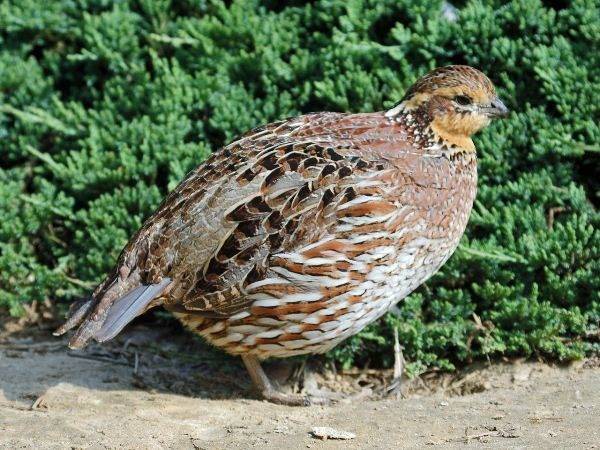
432 134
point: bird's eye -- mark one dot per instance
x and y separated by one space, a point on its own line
462 100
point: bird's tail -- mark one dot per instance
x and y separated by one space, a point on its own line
114 304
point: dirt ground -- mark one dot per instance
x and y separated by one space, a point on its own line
152 390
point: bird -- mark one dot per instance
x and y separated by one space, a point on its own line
300 233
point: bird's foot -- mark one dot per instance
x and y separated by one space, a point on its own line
281 398
270 393
314 397
391 390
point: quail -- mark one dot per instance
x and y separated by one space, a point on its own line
302 232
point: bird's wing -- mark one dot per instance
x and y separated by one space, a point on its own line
273 190
286 195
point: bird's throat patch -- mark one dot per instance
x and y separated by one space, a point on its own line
453 134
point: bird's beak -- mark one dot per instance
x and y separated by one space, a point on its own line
497 109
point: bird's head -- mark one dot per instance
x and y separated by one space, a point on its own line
454 101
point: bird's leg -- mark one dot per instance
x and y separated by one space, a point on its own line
263 384
393 389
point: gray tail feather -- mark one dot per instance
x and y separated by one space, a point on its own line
128 307
112 306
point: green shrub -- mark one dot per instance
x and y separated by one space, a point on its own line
104 106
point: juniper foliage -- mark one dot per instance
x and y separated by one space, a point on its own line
104 106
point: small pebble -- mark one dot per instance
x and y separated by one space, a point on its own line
331 433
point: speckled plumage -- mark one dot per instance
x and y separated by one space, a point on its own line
359 232
302 232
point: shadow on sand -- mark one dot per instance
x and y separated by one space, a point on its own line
167 360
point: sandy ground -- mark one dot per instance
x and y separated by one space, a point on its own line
141 392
